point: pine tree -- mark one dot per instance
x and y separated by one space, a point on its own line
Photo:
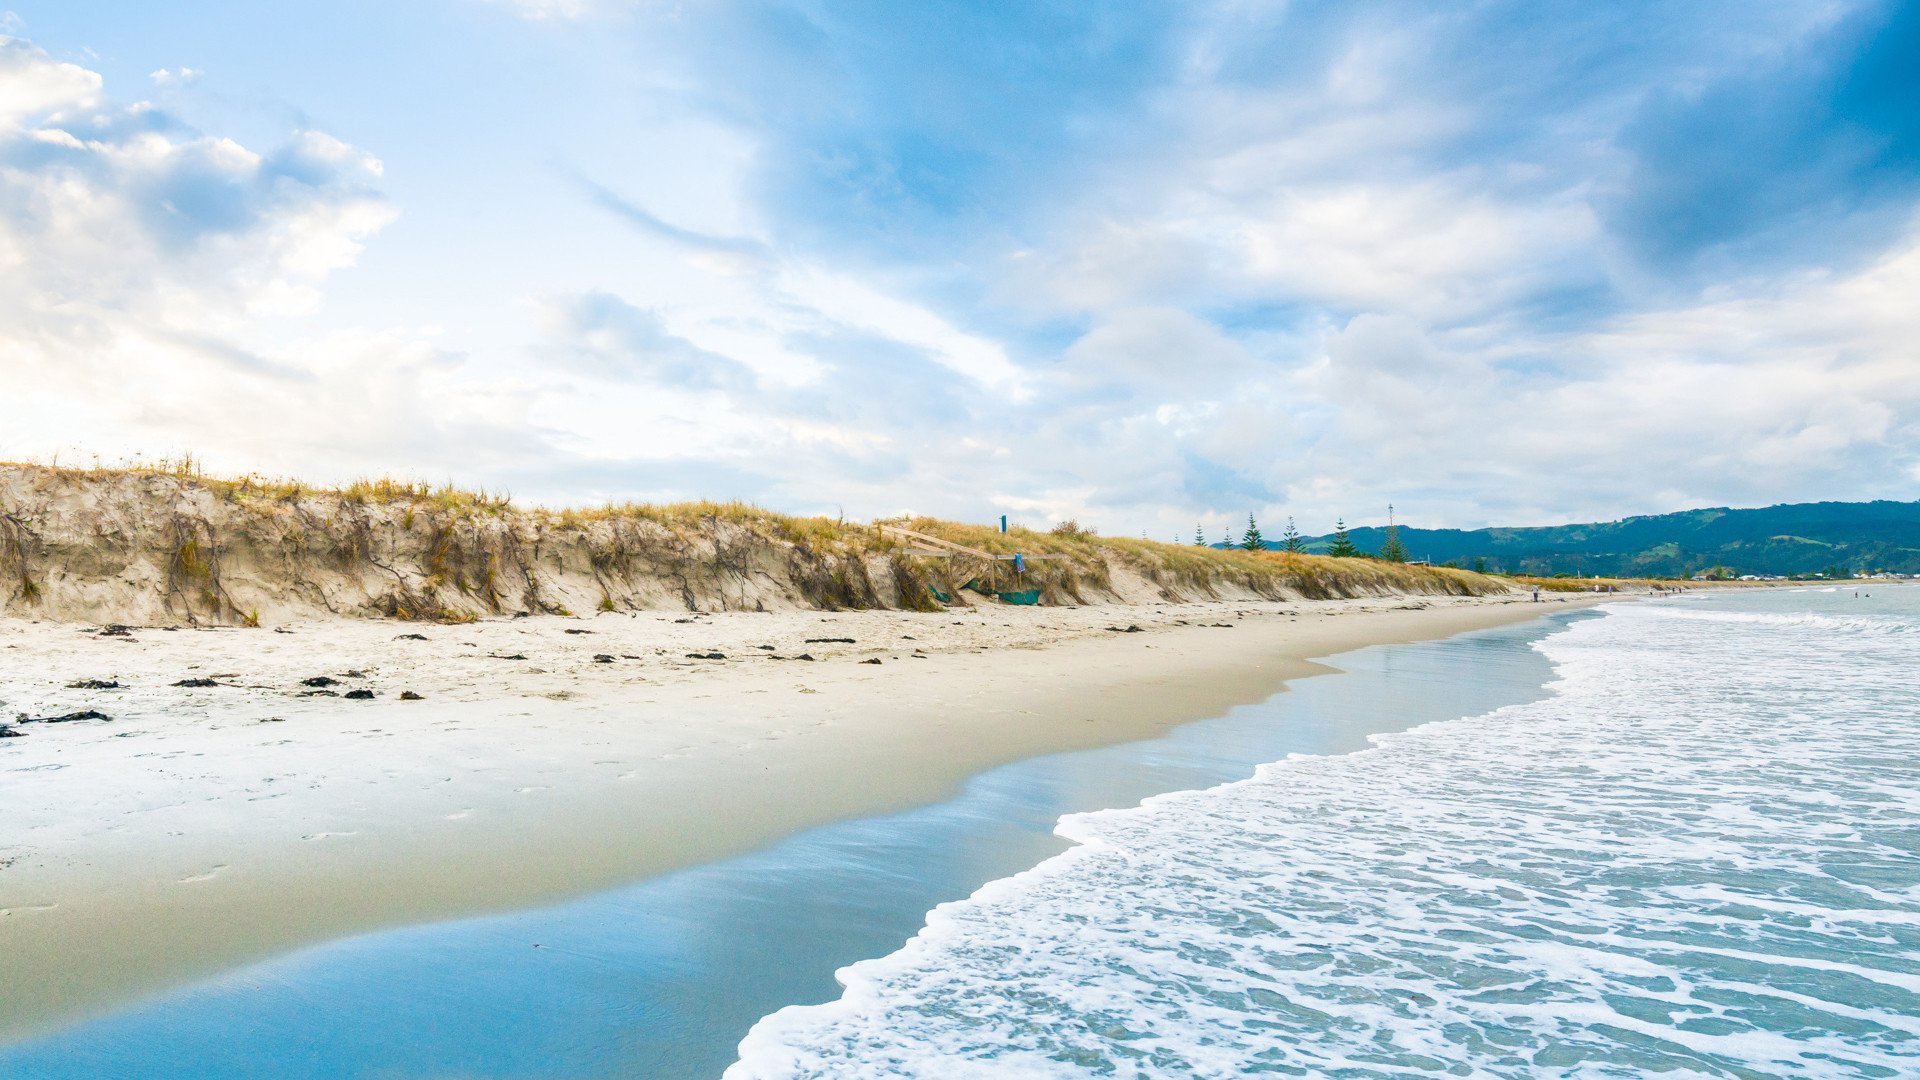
1392 550
1342 544
1290 539
1253 540
1199 538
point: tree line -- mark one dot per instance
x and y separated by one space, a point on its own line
1342 546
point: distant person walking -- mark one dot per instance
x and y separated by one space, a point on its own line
1536 594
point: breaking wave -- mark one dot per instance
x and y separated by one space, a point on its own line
1699 856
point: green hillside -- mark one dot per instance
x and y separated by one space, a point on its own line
1803 538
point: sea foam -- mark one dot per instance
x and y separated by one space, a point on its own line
1698 857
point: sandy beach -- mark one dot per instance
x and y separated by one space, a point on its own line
578 539
206 826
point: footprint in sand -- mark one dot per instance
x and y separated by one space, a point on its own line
208 876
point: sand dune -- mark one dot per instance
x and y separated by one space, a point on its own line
176 548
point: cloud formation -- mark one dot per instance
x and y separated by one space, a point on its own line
138 257
1338 258
1137 266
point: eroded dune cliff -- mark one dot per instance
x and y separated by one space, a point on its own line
160 547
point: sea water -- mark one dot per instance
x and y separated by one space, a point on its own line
661 979
1700 856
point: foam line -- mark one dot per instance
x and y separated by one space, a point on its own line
1695 856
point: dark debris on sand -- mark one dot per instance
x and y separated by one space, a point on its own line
94 684
68 718
195 683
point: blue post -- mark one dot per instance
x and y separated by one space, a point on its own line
1003 523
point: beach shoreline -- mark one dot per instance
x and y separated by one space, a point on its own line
204 828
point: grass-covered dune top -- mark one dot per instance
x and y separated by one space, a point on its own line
167 546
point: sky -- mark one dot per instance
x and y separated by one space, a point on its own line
1147 266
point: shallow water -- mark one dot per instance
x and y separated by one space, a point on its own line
1699 857
662 979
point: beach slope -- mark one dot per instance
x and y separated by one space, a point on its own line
258 808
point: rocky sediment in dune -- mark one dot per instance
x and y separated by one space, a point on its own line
158 548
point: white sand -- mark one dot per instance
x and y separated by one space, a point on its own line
203 828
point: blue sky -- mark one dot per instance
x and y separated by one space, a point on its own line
1141 265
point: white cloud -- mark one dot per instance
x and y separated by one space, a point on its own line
137 260
1163 350
167 78
850 302
1776 394
33 85
544 10
1434 248
1103 264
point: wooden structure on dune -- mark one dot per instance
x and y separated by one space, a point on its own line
970 567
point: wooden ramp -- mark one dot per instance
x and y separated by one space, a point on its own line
941 548
947 548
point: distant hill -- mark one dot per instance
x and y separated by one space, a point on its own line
1802 538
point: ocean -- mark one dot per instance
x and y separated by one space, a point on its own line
1699 856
